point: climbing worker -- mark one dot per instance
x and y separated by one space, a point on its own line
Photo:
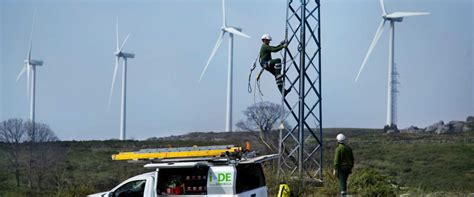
343 163
273 65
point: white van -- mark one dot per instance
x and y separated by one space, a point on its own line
217 177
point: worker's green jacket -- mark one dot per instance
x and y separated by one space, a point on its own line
266 51
343 156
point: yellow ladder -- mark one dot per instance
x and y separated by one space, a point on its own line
183 152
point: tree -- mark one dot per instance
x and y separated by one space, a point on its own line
12 132
263 117
42 155
41 133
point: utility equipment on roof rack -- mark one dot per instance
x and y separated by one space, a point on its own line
182 152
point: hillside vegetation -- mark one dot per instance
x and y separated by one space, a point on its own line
415 163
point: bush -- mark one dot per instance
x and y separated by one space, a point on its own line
80 190
368 182
331 184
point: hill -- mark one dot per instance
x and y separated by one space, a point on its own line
411 162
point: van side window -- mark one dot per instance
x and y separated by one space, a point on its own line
183 181
249 176
131 189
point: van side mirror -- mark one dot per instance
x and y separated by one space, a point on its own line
111 194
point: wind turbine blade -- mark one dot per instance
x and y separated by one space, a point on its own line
28 58
218 43
116 33
31 37
378 33
383 7
113 79
21 73
236 32
404 14
224 22
124 41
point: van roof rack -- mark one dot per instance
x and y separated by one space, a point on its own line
186 162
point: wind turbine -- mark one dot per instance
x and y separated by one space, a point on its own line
231 30
392 70
120 54
30 68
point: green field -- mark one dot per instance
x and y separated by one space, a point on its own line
405 162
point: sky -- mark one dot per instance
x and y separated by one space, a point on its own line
172 40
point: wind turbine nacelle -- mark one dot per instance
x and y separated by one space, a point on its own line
236 28
125 55
35 62
396 19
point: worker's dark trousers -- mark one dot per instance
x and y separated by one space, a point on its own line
343 172
274 66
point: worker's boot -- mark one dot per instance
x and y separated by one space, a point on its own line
343 193
279 81
283 91
278 69
286 92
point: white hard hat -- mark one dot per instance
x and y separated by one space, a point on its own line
340 137
266 37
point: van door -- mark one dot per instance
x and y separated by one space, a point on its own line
135 188
221 180
251 180
151 182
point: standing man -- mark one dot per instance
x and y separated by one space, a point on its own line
272 65
343 163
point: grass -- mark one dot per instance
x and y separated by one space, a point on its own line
428 166
436 164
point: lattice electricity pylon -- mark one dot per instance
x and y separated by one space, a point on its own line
301 145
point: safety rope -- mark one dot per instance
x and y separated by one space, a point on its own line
260 94
257 79
257 82
249 86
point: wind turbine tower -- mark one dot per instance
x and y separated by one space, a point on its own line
392 70
120 54
231 30
30 68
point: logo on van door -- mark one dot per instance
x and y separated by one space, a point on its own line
220 178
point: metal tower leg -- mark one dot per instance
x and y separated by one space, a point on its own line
301 145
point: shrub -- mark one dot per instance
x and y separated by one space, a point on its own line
368 182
